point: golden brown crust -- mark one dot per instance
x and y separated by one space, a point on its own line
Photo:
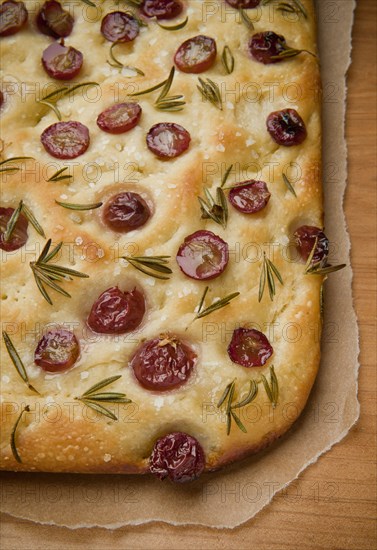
59 434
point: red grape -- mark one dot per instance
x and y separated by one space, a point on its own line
264 46
178 456
249 196
305 238
19 235
161 9
54 21
13 16
244 4
286 127
119 118
66 140
58 350
119 26
61 62
116 312
163 363
168 140
125 212
196 54
249 348
203 255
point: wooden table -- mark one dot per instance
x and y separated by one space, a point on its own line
337 508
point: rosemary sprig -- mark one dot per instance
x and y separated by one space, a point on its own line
289 185
174 27
133 3
227 397
289 6
225 177
272 387
167 83
58 177
227 60
268 272
324 269
11 225
78 86
164 102
49 274
169 103
215 209
61 92
118 64
246 20
219 304
79 207
290 52
52 107
10 161
322 302
154 266
211 92
321 267
94 400
16 360
13 445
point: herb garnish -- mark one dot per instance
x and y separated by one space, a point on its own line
164 102
268 272
219 304
246 19
174 27
16 360
321 267
272 391
58 177
154 266
12 168
227 60
211 92
89 3
133 3
289 6
230 412
289 185
216 210
22 209
13 434
49 274
80 207
94 400
271 388
58 94
290 52
118 64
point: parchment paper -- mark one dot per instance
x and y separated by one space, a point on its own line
235 495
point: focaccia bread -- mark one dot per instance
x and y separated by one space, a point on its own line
206 351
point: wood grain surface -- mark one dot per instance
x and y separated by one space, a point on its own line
337 505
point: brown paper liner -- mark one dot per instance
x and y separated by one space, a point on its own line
231 497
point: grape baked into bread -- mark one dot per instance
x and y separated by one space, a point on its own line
161 232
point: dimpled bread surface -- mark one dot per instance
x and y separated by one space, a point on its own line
61 434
